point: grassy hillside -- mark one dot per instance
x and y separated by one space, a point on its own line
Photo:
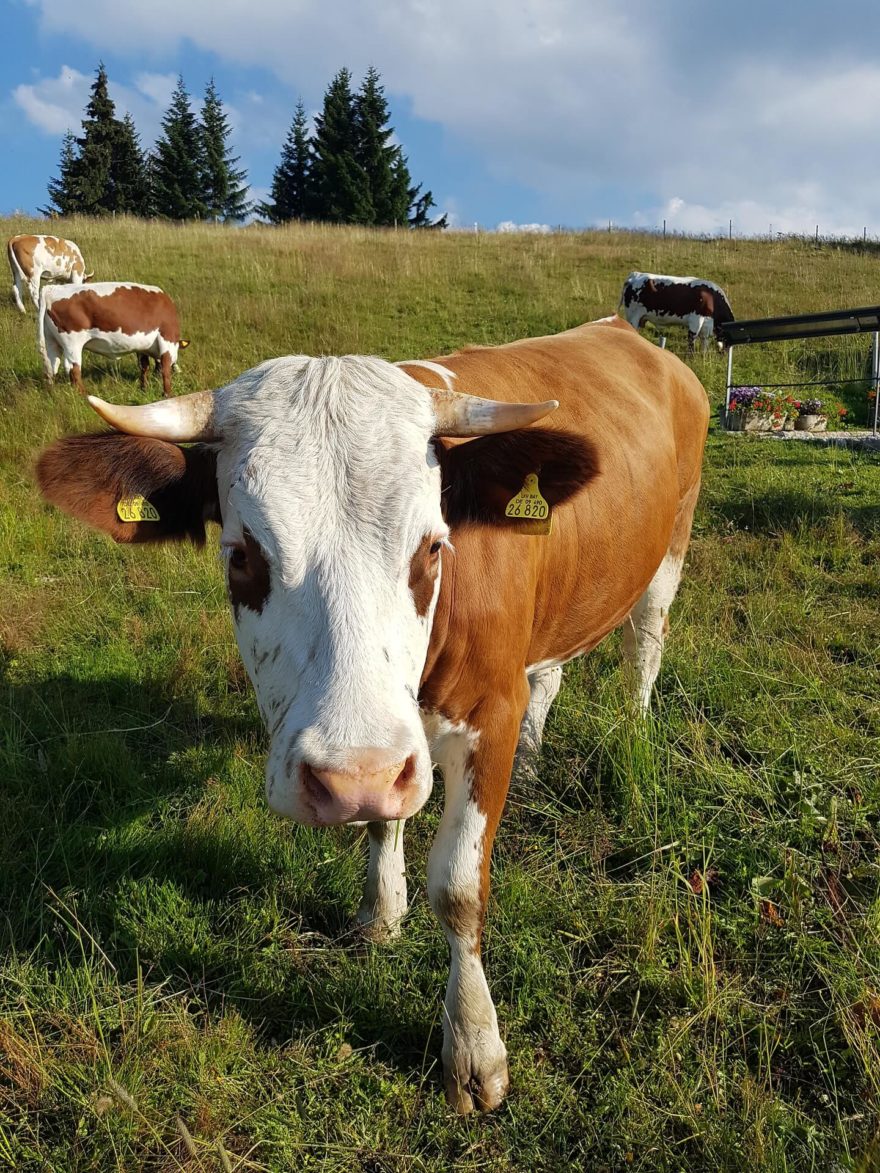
683 932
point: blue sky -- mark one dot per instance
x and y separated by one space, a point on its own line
569 112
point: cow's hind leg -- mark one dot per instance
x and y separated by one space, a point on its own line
384 902
543 687
34 286
52 357
645 630
17 290
144 364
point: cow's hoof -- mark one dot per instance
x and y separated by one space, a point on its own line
378 929
526 765
476 1077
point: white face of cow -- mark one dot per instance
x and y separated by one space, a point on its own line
330 494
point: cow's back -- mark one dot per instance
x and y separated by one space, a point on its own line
110 307
646 414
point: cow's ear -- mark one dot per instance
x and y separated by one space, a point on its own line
166 491
481 476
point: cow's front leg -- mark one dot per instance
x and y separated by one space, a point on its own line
76 377
476 763
384 902
165 367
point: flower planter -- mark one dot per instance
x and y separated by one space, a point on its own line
754 421
811 423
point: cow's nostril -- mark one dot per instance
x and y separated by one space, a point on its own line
407 774
314 787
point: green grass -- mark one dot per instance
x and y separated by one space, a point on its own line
683 931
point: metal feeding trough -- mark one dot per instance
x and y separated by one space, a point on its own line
825 325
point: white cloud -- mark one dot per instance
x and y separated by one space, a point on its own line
158 87
55 105
530 229
753 218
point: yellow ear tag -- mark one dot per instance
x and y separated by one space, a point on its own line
136 508
529 509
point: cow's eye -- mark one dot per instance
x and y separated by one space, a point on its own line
238 558
435 547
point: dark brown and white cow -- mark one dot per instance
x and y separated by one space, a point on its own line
112 318
389 611
32 257
700 306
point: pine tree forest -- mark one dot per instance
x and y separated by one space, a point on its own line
344 166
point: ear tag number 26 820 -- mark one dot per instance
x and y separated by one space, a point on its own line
529 509
136 508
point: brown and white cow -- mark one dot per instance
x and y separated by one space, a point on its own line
32 257
700 306
389 612
112 318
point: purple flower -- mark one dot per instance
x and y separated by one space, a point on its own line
745 396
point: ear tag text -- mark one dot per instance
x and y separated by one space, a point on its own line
529 509
136 508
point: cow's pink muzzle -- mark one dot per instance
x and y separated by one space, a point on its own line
360 793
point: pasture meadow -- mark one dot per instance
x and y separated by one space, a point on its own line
683 932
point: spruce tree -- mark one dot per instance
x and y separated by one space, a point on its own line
225 188
380 161
178 162
63 199
420 206
340 192
130 178
290 195
91 171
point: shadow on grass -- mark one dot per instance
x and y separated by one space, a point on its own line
123 802
115 380
790 510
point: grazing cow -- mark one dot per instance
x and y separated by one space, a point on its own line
392 607
699 305
30 257
110 317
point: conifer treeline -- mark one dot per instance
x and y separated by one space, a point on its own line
189 174
349 171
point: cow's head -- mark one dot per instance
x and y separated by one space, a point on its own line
336 500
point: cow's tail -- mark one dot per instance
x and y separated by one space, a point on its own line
17 270
41 337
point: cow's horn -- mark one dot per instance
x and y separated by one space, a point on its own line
186 418
468 415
